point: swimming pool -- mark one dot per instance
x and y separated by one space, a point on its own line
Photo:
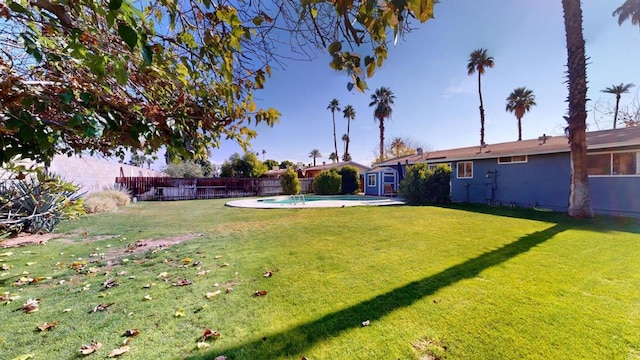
313 201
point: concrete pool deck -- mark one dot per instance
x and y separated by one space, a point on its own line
255 204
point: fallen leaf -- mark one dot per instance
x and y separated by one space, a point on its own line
366 323
148 297
260 293
5 254
197 263
224 265
163 274
102 307
66 310
47 326
179 313
203 272
88 349
109 283
31 263
203 345
31 306
121 273
209 334
221 357
131 332
127 341
268 273
229 289
5 267
209 295
183 282
218 257
187 261
146 286
119 351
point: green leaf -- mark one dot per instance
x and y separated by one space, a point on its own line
129 35
147 55
314 12
422 9
120 72
335 47
66 97
371 68
18 8
115 5
258 20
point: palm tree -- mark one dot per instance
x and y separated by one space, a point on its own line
382 99
334 106
617 90
333 157
629 10
345 156
315 153
478 61
520 102
579 197
263 152
349 113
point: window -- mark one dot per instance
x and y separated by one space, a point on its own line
512 159
621 163
389 177
371 179
465 170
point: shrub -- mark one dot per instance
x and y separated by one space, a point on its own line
37 203
290 183
120 194
423 186
350 179
327 183
98 204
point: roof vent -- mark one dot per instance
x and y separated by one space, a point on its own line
543 138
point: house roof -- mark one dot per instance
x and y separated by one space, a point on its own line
338 165
604 139
381 169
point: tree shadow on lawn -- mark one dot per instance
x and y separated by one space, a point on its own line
601 223
299 339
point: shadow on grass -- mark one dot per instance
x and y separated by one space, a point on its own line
302 337
600 223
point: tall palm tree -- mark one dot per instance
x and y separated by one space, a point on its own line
263 152
629 10
579 196
520 102
315 153
349 113
617 90
479 61
382 99
334 106
333 157
345 155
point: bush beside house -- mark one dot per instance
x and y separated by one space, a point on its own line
328 183
290 183
422 185
350 179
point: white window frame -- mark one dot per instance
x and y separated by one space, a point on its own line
463 163
611 153
369 178
511 161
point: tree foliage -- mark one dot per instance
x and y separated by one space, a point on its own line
520 102
382 100
184 169
122 75
285 164
290 183
270 164
246 166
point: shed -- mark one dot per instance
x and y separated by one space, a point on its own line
381 181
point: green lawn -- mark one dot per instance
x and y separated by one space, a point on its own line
463 282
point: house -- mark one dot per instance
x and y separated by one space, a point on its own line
381 181
537 172
313 171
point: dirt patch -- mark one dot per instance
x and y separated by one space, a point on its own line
150 244
25 239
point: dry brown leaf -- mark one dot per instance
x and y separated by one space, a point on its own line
31 306
210 334
109 283
203 345
229 289
221 357
121 273
268 273
47 326
102 307
183 282
210 295
131 332
88 349
119 351
366 323
260 293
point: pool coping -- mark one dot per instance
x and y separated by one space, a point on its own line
253 203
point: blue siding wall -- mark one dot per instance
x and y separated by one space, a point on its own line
615 195
372 190
544 181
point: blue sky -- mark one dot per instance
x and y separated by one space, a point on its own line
436 101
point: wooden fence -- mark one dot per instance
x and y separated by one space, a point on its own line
166 188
